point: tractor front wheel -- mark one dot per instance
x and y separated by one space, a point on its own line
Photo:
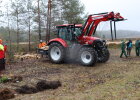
87 56
56 52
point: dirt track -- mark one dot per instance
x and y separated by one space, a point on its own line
118 79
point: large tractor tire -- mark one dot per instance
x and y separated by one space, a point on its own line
56 53
104 55
87 56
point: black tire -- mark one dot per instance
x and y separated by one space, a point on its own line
87 56
104 55
56 53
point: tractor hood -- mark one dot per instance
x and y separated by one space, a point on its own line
88 39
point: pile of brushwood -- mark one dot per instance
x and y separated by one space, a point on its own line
6 94
40 86
25 89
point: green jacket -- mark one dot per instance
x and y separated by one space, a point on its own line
123 46
137 43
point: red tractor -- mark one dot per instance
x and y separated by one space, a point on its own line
76 42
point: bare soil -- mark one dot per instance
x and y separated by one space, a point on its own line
117 79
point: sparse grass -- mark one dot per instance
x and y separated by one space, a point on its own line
114 45
118 79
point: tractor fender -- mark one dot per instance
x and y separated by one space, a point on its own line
59 40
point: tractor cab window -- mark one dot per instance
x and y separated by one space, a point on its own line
78 31
65 34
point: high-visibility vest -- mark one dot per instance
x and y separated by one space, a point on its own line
2 51
42 44
1 47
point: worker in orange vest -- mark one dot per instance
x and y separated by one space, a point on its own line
2 55
41 44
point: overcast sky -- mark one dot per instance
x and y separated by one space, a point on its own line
129 9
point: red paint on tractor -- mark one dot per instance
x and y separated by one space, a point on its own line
88 40
59 40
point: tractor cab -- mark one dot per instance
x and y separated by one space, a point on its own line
69 32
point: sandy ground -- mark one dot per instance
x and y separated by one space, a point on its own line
117 79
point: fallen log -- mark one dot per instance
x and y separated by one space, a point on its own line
43 85
40 86
26 90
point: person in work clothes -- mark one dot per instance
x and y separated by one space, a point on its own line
123 46
42 48
41 44
2 55
137 47
129 47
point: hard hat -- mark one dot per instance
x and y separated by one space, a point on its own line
41 41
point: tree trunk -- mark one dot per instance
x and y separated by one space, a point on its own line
9 30
29 27
48 28
17 31
39 24
29 35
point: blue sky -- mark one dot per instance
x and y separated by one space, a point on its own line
129 9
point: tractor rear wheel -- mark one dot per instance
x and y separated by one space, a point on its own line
56 52
104 55
87 56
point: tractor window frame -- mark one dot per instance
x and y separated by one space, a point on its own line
78 31
64 33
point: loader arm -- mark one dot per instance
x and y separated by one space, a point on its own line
92 22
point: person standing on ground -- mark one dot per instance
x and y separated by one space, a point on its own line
129 47
137 47
123 46
2 55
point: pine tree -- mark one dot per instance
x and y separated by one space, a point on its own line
72 11
17 10
28 19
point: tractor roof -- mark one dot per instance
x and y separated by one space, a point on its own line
65 25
